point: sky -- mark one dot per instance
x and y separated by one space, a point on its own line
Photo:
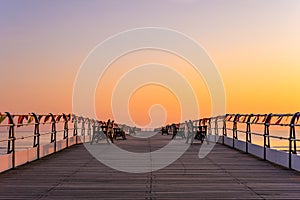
254 44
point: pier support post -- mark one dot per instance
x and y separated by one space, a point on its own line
224 128
11 139
75 131
83 129
266 134
66 129
216 129
248 132
292 138
89 129
36 135
234 129
53 131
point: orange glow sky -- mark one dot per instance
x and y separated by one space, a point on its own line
254 44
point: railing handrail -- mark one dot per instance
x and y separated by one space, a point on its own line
268 120
15 121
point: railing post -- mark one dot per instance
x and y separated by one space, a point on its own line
75 132
216 126
224 128
209 132
53 130
89 129
36 137
66 130
94 131
234 129
11 139
292 138
266 134
248 132
83 129
216 129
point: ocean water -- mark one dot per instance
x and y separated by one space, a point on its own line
278 135
25 137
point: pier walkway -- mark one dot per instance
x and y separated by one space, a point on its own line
224 174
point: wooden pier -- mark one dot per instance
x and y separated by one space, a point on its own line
224 174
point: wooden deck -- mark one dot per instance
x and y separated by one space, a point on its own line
224 174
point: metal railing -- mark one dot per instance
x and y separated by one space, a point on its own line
63 128
31 128
233 125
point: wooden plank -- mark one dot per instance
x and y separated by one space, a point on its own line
225 173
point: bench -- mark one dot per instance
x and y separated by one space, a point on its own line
198 132
102 131
119 132
201 133
178 130
165 130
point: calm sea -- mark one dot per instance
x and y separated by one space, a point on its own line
24 137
